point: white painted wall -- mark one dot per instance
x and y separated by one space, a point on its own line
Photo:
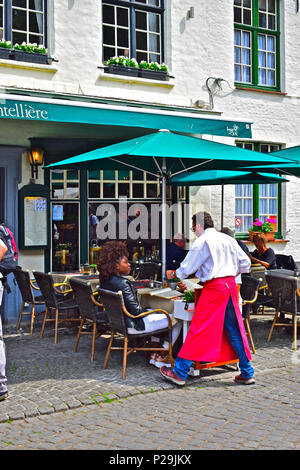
196 49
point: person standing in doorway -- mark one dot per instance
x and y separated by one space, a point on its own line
3 380
216 259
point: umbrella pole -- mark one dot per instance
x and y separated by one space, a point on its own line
222 207
164 220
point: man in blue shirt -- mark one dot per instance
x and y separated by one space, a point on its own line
175 251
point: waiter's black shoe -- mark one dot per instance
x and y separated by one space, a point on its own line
243 381
168 374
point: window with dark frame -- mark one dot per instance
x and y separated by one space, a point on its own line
133 28
23 21
257 43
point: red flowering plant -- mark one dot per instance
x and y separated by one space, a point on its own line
265 227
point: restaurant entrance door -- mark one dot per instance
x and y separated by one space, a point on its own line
65 236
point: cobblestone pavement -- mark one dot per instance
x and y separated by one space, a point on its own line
59 400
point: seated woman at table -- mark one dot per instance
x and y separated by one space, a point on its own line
262 255
113 265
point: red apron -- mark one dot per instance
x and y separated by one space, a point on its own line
206 339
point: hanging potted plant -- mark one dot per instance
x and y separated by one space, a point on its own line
5 49
268 228
121 66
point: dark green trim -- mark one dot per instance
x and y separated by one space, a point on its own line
83 211
47 251
255 30
33 190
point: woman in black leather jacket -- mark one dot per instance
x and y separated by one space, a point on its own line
113 265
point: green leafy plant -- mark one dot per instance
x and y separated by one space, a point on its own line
189 297
127 62
265 227
153 66
122 60
5 44
28 47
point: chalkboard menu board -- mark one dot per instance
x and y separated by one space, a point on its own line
34 217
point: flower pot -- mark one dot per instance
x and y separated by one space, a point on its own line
30 57
122 70
4 53
153 74
270 236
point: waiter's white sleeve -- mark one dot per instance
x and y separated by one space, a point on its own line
198 255
243 260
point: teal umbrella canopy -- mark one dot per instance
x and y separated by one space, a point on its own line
218 177
168 153
222 177
292 168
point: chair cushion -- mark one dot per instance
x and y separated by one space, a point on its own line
153 323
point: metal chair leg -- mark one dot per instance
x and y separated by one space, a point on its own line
247 322
108 350
273 325
20 316
78 335
93 341
44 323
125 357
56 326
295 331
32 319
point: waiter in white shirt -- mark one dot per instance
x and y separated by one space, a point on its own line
217 326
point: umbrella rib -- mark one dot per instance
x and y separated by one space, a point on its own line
285 172
192 167
132 166
156 163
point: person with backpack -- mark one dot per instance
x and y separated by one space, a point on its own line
9 261
3 380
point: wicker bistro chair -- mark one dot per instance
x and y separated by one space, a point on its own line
49 292
87 305
286 298
249 293
116 314
26 285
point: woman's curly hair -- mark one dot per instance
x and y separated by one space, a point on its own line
110 255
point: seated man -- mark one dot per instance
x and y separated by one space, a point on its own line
175 252
113 265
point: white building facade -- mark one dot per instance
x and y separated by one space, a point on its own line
233 61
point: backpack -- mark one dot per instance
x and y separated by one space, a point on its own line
9 260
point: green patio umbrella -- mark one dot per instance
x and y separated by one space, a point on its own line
221 177
166 154
290 169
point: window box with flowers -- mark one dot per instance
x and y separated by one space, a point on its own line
124 66
24 52
268 228
153 70
5 49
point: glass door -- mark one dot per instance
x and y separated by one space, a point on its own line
65 236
